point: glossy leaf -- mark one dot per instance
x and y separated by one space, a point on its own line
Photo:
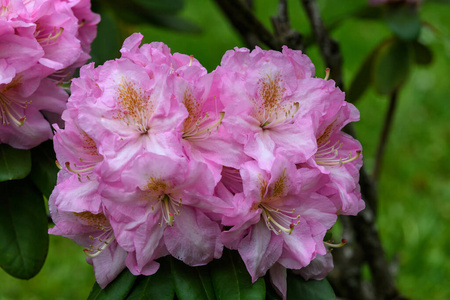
404 21
175 23
362 79
157 286
107 44
118 289
391 66
422 54
231 280
14 163
44 170
191 283
299 289
163 6
23 229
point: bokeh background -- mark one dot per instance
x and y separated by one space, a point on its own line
414 186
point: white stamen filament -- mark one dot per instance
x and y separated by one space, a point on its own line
278 220
201 130
329 155
9 113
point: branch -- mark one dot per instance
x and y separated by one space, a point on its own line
384 135
329 48
246 22
363 225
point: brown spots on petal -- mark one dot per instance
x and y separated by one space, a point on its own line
193 108
271 91
279 186
326 134
98 221
157 185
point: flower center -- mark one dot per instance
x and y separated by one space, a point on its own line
277 219
270 109
165 203
87 160
47 36
198 125
104 234
136 107
12 109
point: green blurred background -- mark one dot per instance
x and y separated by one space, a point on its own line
414 189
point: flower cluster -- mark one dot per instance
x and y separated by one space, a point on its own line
160 157
42 42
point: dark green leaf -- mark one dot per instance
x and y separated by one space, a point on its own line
118 289
362 79
271 294
14 163
44 169
231 280
106 45
23 229
174 23
157 286
299 289
163 6
404 21
422 54
191 283
391 66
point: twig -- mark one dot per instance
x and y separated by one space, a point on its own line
384 135
329 48
363 225
246 22
283 30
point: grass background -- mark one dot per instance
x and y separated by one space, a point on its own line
414 189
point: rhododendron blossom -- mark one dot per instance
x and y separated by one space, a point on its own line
41 45
159 157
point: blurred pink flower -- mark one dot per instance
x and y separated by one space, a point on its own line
42 42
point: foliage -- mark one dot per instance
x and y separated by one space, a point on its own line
418 175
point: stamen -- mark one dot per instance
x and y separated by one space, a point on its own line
191 60
333 245
327 74
51 37
199 132
9 108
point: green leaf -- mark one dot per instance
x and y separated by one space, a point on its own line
157 286
163 6
362 79
107 44
191 283
422 54
174 23
44 169
391 66
118 289
404 21
231 280
14 163
299 289
23 229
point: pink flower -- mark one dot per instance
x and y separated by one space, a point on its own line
279 217
93 231
24 104
161 206
272 103
39 47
